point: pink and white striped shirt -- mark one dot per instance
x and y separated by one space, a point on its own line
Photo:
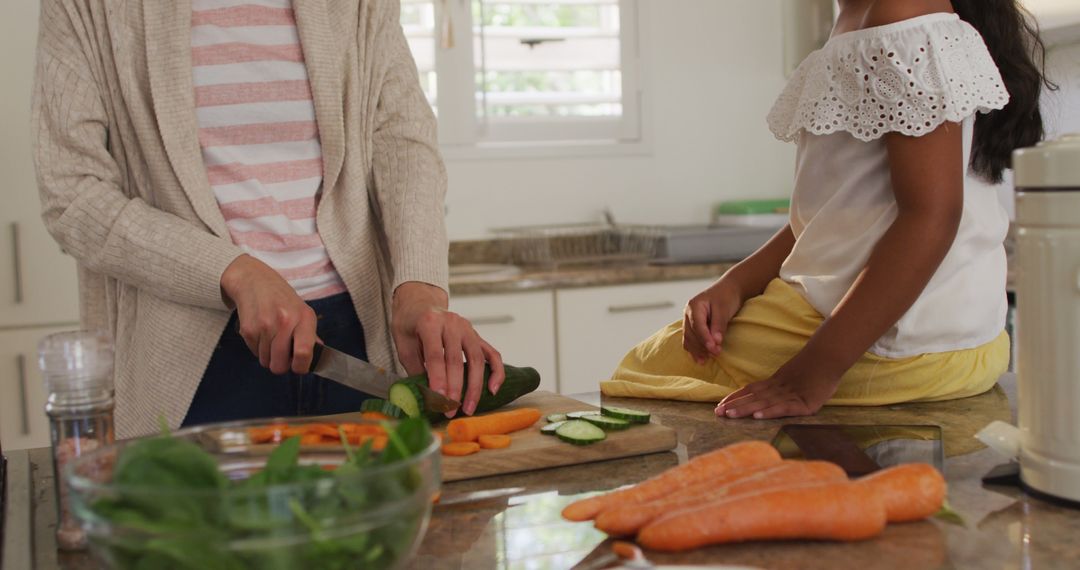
259 138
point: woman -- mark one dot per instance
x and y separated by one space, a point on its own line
237 181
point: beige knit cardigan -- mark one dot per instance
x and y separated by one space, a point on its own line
124 189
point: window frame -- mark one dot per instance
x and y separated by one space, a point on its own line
464 135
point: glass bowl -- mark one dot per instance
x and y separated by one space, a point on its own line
372 517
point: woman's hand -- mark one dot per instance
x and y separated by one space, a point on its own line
799 388
431 339
275 323
706 318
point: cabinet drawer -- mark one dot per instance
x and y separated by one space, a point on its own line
520 325
23 423
38 283
598 326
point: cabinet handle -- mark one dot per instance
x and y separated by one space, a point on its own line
16 257
616 309
20 364
495 320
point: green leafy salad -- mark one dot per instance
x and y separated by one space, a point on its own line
170 506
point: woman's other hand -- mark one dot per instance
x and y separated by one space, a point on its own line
274 321
432 339
706 318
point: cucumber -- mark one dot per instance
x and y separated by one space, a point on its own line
519 381
551 428
606 423
632 416
579 415
556 418
579 432
382 407
407 397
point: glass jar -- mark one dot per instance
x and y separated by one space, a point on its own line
78 371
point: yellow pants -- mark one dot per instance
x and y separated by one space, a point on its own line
768 331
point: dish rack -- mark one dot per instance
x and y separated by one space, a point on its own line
553 246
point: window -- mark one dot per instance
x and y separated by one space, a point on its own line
528 71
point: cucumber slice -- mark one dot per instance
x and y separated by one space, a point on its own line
579 415
632 416
551 428
382 407
606 423
556 418
580 432
408 398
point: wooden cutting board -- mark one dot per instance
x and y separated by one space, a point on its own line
533 450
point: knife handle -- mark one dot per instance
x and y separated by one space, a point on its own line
316 354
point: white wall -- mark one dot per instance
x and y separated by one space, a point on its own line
714 68
1062 108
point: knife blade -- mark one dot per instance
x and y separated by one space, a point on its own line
357 374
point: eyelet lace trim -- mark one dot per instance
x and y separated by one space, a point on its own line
909 81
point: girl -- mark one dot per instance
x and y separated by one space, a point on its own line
888 285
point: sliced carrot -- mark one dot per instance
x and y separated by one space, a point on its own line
292 431
266 434
362 430
379 442
626 550
311 439
375 416
626 520
702 468
470 429
327 430
824 511
911 492
460 448
494 441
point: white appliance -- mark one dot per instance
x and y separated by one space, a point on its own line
1047 441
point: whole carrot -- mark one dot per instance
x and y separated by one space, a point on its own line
823 511
625 520
701 468
911 492
500 423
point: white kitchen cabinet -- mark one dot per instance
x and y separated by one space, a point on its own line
598 326
23 423
520 325
38 283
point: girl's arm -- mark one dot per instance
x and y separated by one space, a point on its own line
928 182
706 316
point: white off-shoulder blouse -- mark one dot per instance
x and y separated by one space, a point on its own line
909 78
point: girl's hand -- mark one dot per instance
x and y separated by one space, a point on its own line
706 318
799 388
431 339
275 323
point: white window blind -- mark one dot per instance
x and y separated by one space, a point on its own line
528 71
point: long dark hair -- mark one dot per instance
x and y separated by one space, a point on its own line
1013 39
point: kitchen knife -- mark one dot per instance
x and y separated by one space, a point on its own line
357 374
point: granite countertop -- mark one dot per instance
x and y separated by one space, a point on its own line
1004 528
585 276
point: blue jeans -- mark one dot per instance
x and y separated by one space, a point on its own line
236 387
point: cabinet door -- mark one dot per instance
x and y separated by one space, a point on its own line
23 423
38 283
598 326
520 325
